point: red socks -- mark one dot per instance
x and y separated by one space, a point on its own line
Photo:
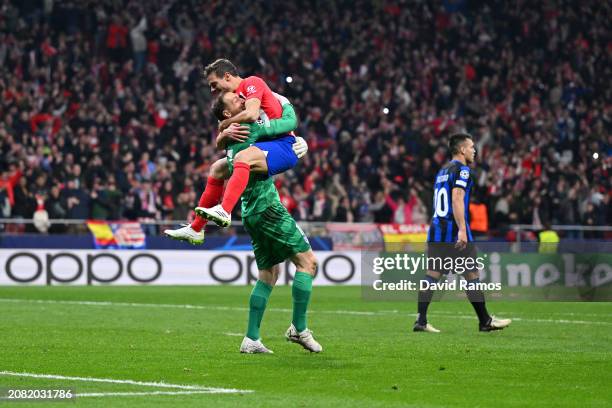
210 197
214 190
236 185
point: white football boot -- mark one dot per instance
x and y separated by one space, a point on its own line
187 234
303 338
249 346
495 324
428 328
215 214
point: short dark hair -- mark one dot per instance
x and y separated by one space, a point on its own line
456 140
220 67
218 107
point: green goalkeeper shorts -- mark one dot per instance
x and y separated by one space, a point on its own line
275 236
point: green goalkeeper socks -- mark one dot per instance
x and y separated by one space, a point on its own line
257 305
302 287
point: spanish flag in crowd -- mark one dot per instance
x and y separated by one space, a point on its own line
117 235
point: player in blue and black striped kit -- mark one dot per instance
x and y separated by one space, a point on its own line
444 227
450 236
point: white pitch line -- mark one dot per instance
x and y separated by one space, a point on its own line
548 314
130 382
563 321
234 334
185 306
243 309
520 319
144 393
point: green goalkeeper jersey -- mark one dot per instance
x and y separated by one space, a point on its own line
261 193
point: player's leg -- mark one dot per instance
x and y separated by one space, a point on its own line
213 192
436 252
257 306
306 267
255 158
477 299
271 157
194 233
247 160
290 239
267 264
259 299
279 154
424 299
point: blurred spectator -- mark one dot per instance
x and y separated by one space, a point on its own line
343 211
167 199
287 200
382 213
183 207
321 207
132 206
77 201
56 208
479 218
8 181
105 200
5 204
41 216
139 44
419 212
402 210
116 39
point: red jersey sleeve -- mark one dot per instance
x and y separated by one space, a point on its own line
254 87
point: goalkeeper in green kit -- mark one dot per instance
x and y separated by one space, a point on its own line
275 235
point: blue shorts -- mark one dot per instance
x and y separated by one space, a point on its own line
279 154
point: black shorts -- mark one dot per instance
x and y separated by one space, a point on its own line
443 257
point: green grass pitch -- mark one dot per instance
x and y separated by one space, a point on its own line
554 354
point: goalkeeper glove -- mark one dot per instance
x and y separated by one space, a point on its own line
300 147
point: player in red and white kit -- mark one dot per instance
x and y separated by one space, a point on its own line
271 157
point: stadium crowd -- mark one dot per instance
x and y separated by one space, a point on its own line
104 112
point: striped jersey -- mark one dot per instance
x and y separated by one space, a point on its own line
443 227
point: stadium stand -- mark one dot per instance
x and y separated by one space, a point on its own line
106 116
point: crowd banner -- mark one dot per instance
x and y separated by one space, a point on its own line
408 237
355 237
117 235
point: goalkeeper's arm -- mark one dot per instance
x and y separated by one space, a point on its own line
287 123
278 127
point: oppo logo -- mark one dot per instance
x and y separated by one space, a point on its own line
27 267
228 268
